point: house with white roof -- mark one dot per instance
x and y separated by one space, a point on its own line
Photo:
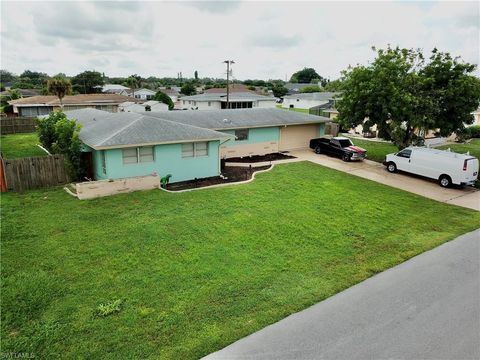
140 94
309 100
236 100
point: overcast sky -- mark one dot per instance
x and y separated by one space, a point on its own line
267 40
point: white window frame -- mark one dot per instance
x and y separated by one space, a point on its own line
195 151
137 149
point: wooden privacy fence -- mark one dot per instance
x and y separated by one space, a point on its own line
35 172
14 125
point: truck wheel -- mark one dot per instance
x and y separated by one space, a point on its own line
346 157
391 167
445 181
318 150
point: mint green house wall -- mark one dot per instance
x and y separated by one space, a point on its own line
259 135
321 129
167 160
255 135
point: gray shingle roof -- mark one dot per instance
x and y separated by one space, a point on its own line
239 118
101 129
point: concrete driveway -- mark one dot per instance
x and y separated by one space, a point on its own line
425 308
468 197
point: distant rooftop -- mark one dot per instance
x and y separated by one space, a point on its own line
322 96
87 99
236 96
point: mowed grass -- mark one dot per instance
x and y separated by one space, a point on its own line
376 150
16 146
473 147
195 271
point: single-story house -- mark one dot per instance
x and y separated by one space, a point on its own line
150 105
218 100
188 144
113 88
43 105
23 92
309 100
141 94
295 88
476 117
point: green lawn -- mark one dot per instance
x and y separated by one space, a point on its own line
473 147
199 270
376 150
20 145
306 111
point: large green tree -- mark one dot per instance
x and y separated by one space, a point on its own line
60 86
403 93
164 98
188 89
279 90
305 76
88 82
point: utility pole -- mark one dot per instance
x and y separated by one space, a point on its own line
228 62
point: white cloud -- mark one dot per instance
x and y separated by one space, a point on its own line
266 39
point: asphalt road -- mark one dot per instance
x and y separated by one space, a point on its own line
425 308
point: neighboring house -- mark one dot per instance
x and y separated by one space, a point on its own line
141 94
24 93
295 88
237 100
43 105
188 144
309 100
151 105
113 88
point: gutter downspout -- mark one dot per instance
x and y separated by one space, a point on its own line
219 158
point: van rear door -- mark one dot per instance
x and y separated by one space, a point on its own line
470 169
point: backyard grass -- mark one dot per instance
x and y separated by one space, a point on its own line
473 147
376 150
306 111
20 145
177 276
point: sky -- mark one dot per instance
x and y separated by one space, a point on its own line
265 39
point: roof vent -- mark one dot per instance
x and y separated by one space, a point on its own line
227 121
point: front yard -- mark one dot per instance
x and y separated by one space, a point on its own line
20 145
196 271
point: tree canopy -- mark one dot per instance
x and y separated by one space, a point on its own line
403 93
188 89
279 90
88 82
306 75
164 98
311 89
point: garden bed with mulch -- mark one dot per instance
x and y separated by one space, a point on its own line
231 174
261 158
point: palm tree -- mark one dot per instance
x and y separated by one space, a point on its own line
133 82
59 86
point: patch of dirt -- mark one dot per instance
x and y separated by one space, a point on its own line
231 173
261 158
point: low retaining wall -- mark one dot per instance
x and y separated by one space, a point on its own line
94 189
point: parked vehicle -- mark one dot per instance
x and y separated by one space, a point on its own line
443 165
338 146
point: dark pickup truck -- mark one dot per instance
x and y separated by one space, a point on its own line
338 146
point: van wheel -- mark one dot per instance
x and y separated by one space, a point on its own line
445 181
391 167
346 157
318 150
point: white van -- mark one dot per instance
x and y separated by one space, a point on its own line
443 165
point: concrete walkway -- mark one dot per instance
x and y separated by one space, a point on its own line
425 308
467 197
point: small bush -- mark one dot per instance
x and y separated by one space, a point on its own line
109 308
474 131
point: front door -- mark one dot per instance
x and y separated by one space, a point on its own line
402 160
